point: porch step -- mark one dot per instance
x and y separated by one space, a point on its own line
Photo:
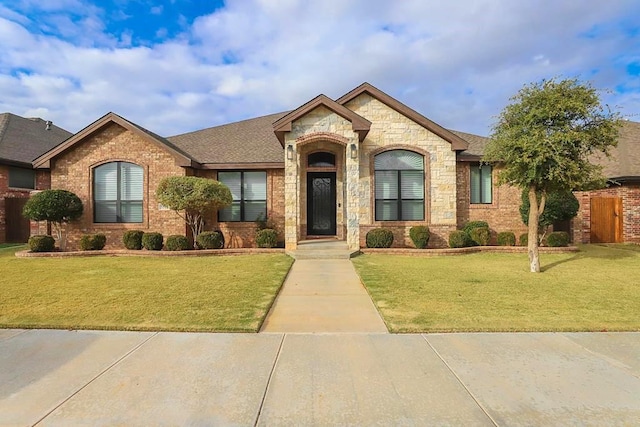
323 249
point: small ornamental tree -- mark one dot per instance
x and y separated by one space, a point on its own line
544 140
560 206
192 198
59 207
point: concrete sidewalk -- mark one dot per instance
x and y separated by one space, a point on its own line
103 378
323 295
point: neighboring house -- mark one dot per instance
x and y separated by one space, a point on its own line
21 141
328 168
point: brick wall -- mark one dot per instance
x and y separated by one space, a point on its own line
73 171
242 234
630 194
42 182
503 214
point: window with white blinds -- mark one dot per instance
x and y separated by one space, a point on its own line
249 191
117 192
399 186
481 184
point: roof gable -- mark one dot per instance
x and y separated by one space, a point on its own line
182 159
23 139
359 124
457 143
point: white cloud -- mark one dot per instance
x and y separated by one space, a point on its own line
455 62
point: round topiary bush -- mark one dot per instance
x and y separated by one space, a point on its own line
524 239
266 238
379 238
177 242
93 242
420 235
558 239
152 241
480 235
210 240
41 243
459 239
506 238
132 239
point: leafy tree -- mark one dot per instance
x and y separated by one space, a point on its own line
192 198
59 207
559 206
544 139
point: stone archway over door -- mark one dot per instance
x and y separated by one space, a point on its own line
606 220
321 204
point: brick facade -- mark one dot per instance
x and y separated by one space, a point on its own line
502 214
42 182
73 170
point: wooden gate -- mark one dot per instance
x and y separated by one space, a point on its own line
16 225
606 220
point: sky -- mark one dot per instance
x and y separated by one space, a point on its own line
181 65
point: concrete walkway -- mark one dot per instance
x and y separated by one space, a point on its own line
323 295
105 378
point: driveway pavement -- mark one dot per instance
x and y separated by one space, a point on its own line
102 378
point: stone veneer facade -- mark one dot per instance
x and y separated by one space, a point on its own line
323 130
392 130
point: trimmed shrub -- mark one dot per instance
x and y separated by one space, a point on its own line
93 242
266 238
480 235
41 243
152 241
379 238
420 236
132 239
210 240
558 239
470 226
459 239
177 242
506 238
524 239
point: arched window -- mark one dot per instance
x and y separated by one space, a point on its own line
399 182
321 159
117 192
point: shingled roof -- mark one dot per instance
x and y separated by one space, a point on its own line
622 165
624 162
22 139
240 143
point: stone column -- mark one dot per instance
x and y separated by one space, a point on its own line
352 201
291 194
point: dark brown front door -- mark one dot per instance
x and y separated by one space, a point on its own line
16 225
321 203
606 220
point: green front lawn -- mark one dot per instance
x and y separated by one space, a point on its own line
595 289
208 293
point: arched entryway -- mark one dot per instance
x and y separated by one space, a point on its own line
321 194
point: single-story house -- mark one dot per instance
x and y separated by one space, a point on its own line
21 141
328 168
